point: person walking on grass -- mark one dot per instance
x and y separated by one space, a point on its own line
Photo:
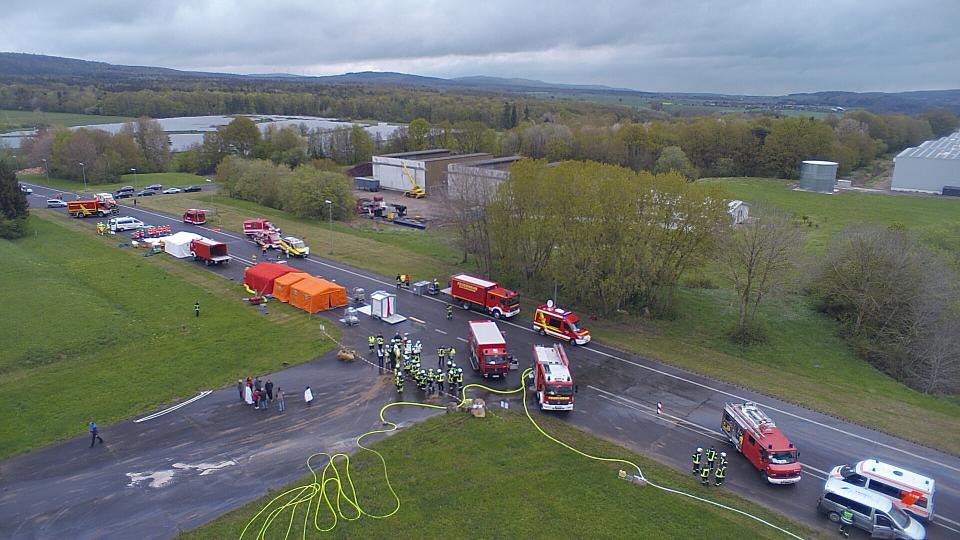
196 309
94 434
308 396
280 403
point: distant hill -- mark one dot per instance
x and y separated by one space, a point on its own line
21 66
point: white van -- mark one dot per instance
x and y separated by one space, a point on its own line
124 224
908 491
872 512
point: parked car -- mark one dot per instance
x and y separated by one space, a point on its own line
125 189
154 187
124 224
171 191
191 189
123 195
146 193
26 190
56 203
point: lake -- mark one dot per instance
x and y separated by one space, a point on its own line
186 130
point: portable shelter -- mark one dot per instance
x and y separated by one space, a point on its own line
178 244
313 294
282 285
260 277
383 304
337 294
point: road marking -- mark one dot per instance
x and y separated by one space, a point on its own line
414 319
938 521
203 394
440 331
941 518
461 339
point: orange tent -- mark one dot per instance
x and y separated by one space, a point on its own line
313 294
282 284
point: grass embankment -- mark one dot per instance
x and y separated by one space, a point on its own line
463 477
139 181
804 361
97 332
382 248
15 120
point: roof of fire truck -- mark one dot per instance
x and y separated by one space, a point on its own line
553 366
760 426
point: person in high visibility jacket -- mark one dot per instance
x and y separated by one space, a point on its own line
440 378
371 341
846 520
711 456
399 381
705 476
697 460
441 355
449 312
451 352
451 378
720 474
723 459
380 340
430 380
459 380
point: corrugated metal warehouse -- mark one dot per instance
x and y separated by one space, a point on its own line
928 168
477 181
429 167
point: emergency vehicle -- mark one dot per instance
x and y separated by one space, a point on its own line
267 237
909 491
195 216
98 206
488 349
483 295
294 247
559 323
755 435
553 384
253 226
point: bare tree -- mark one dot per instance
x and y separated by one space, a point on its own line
759 257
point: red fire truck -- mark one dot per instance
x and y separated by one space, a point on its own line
761 442
195 216
268 237
484 295
559 323
553 383
488 349
252 227
209 251
98 206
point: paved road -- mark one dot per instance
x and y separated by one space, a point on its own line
619 391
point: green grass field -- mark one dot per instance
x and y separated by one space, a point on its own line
463 477
15 120
97 332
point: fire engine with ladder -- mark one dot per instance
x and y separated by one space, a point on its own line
755 435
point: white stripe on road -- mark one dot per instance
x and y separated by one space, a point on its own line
439 330
203 394
461 339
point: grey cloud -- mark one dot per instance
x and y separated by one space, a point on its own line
746 46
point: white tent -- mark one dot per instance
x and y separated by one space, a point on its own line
178 244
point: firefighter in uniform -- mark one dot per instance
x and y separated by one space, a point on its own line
846 520
399 281
459 380
697 458
449 311
705 476
439 381
380 359
723 459
430 381
399 381
371 341
451 377
441 353
711 456
720 473
380 340
451 352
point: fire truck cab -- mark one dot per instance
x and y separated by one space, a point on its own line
755 435
559 323
553 383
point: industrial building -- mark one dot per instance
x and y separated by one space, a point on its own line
428 168
928 168
477 181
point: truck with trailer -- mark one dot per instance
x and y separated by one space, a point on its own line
488 349
209 251
559 323
755 436
553 383
483 295
251 227
98 206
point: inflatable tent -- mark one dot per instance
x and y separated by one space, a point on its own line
260 277
313 294
282 285
178 244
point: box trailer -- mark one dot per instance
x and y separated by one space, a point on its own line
209 251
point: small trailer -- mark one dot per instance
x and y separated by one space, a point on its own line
209 251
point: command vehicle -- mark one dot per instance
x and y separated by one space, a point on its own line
294 247
484 295
209 251
761 442
195 216
909 491
559 323
254 226
553 383
872 512
488 349
92 207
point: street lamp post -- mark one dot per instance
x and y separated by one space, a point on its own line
329 204
134 171
84 169
46 169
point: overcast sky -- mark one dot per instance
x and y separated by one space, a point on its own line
728 46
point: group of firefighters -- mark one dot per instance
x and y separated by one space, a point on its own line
404 361
706 462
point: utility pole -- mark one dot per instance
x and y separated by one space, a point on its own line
84 169
329 204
